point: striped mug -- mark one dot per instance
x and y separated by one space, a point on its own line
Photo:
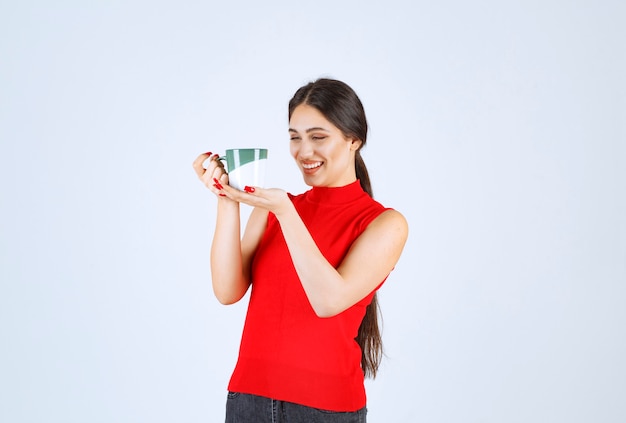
246 167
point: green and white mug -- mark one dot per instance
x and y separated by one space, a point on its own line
246 167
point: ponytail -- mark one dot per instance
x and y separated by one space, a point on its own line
369 337
370 340
361 173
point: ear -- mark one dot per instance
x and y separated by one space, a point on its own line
355 144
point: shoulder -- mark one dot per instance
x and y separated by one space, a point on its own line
391 217
390 221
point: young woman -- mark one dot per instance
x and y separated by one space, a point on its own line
314 262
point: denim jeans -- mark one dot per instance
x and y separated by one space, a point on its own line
245 408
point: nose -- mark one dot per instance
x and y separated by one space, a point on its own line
306 149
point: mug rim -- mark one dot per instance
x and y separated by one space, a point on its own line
245 148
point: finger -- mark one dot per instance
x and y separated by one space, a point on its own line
246 197
214 185
222 189
208 178
201 159
220 166
258 191
198 163
223 178
213 169
219 173
218 162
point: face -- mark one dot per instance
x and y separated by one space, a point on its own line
324 155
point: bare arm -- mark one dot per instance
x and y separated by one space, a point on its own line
370 259
231 256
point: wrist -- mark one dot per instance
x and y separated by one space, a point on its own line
285 209
226 204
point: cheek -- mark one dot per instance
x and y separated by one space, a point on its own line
293 149
340 152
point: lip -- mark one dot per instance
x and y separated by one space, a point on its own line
310 167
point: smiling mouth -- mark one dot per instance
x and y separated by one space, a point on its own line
311 166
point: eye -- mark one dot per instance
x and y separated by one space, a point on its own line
318 137
294 138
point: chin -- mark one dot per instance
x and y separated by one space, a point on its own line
308 180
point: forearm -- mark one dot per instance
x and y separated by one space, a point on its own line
228 279
322 283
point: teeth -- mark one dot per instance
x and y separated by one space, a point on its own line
311 165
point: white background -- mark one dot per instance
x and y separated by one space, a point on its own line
497 127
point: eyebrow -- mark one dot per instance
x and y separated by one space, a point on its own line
316 128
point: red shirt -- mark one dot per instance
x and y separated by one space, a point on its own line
287 352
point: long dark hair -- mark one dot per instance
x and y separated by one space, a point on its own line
343 108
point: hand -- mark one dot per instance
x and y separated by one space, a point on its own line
214 175
272 199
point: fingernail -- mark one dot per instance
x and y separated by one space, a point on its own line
208 153
218 186
248 189
222 195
